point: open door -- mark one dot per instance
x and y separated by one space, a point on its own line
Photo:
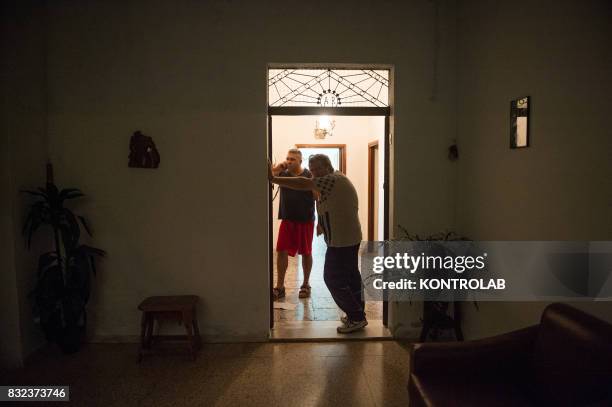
373 191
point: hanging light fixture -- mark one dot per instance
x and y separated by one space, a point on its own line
324 127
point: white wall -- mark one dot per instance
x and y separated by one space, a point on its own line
560 188
354 131
193 75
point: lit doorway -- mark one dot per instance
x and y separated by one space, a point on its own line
337 156
349 148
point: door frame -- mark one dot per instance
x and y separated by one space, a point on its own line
372 150
341 147
328 111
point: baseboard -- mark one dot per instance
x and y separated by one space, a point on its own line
406 333
205 339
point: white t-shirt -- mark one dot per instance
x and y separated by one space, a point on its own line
338 210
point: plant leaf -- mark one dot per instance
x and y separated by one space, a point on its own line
68 238
85 225
90 251
73 225
35 217
70 193
44 261
52 192
35 193
92 264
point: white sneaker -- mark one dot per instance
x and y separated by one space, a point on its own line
344 319
351 326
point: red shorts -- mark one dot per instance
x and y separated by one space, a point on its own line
295 237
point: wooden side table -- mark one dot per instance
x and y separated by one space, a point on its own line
179 308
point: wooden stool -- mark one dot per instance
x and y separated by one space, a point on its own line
180 308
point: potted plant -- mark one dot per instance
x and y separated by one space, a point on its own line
437 315
63 286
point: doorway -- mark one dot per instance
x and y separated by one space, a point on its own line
293 122
349 152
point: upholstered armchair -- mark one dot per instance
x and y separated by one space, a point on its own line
566 360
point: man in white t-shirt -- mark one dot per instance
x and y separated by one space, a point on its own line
339 222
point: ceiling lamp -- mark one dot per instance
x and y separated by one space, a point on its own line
324 127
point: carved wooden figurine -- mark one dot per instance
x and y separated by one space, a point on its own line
143 153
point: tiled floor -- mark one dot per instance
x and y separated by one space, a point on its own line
261 374
321 306
325 331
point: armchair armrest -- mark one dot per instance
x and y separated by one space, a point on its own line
503 352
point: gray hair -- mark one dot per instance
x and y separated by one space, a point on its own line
321 159
295 151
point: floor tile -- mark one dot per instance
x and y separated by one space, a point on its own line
324 314
320 298
258 374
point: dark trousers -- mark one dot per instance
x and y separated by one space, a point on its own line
342 278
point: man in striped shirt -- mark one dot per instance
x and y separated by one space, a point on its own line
339 222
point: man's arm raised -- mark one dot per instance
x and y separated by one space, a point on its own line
300 183
278 168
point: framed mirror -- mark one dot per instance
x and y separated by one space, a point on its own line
519 122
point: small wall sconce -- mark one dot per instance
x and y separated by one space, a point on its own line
324 127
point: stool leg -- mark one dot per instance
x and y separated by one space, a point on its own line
149 334
188 321
157 328
190 338
196 330
143 327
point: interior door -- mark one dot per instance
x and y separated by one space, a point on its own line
373 191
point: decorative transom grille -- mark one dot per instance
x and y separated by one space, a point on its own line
328 87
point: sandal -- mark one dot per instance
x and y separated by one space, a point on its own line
278 293
304 291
